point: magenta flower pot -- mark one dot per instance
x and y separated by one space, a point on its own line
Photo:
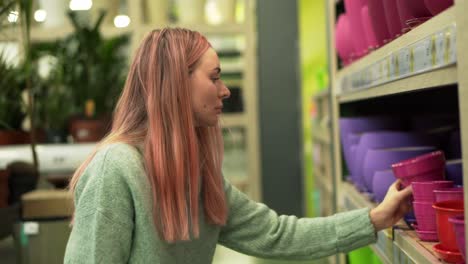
437 6
369 33
409 10
448 194
425 216
424 191
343 42
378 21
353 10
393 18
382 159
428 167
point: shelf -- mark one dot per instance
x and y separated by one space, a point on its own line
226 29
438 77
233 83
321 136
324 94
41 34
233 120
396 245
425 57
324 182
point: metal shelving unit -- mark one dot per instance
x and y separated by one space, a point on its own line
429 57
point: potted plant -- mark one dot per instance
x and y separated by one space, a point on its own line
11 104
93 69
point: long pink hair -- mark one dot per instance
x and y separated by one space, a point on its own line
155 110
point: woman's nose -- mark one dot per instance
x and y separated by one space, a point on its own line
225 93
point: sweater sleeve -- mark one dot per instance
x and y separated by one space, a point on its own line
103 220
256 230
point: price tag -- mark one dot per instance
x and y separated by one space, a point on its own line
453 42
438 49
393 67
385 69
404 59
31 228
422 55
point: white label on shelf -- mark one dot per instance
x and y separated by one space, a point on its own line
385 69
393 66
422 55
404 60
453 44
31 228
439 49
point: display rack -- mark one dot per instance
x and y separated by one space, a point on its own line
430 56
322 155
251 181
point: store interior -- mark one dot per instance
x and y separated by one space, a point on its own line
331 101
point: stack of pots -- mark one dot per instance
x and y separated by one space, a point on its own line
437 203
375 22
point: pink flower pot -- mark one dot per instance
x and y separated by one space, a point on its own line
424 191
409 10
343 42
378 21
369 33
437 6
353 10
447 194
425 216
427 167
393 18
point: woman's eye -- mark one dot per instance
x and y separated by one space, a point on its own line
215 79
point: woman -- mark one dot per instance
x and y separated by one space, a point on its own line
153 190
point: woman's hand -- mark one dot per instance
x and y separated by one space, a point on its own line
394 206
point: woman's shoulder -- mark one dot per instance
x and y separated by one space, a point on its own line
118 162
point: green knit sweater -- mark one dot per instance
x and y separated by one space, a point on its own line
113 222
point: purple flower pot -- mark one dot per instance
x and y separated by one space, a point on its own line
381 181
384 139
356 125
454 171
382 159
459 228
453 148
